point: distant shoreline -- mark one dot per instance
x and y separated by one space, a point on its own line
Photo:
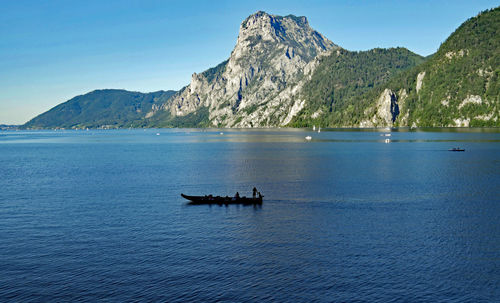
9 126
327 129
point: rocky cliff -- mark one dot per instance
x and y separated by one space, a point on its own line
459 86
258 84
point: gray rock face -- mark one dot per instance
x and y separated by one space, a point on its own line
259 84
386 110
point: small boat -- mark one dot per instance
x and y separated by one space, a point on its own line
199 200
457 149
308 138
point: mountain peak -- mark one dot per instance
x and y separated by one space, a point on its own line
263 15
265 69
262 28
267 22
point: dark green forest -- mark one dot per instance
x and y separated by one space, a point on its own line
342 76
466 64
111 108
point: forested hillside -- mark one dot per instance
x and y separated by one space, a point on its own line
457 86
111 108
344 75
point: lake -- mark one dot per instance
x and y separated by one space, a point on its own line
97 216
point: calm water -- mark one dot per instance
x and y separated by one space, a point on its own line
97 215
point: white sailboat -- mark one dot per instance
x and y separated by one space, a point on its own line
319 129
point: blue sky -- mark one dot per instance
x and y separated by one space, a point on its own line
51 51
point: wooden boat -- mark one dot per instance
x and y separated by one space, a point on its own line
457 149
198 200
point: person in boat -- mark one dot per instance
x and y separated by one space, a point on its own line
254 194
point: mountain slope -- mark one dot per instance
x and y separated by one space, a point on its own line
101 108
343 75
457 86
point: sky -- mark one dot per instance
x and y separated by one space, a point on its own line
51 51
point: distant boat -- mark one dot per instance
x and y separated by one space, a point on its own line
387 141
319 129
200 200
457 149
157 134
314 127
308 138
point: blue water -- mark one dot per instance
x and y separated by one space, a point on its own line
97 215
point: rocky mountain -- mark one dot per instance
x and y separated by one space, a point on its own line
257 84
